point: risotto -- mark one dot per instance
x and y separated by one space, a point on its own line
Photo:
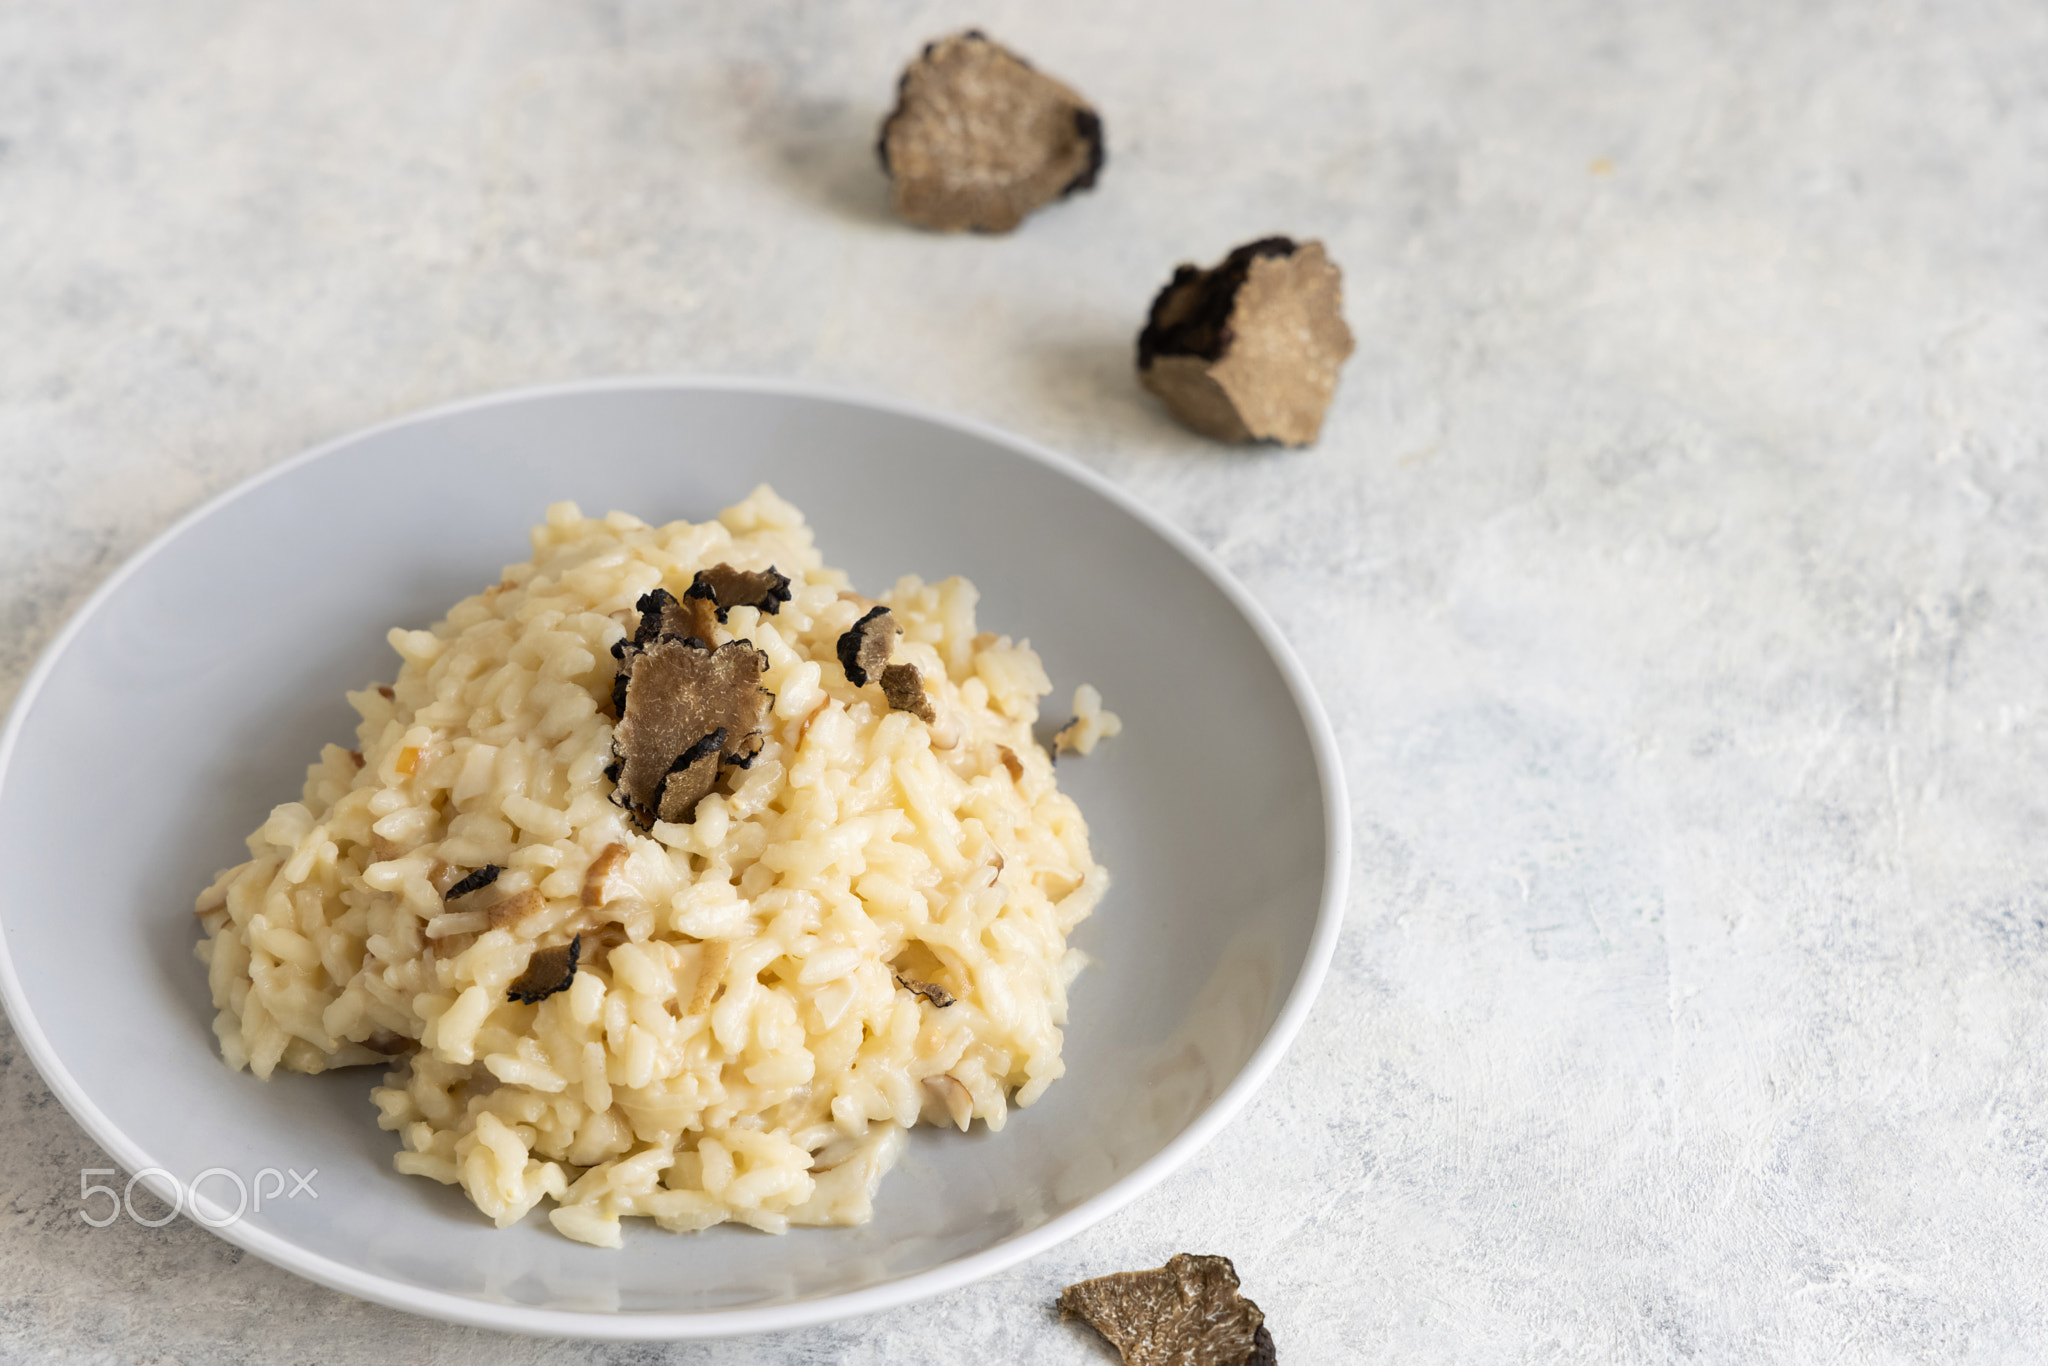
721 1004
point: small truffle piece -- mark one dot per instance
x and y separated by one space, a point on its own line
548 971
931 991
904 688
1186 1313
978 138
473 882
726 588
684 709
1249 350
865 646
1011 762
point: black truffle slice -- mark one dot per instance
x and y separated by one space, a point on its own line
931 991
864 646
904 688
684 709
661 615
1186 1313
726 588
1249 349
689 779
549 970
474 882
978 139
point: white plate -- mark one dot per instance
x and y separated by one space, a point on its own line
189 694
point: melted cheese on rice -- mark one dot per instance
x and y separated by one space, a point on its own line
737 1043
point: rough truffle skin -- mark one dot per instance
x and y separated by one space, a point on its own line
979 139
1249 350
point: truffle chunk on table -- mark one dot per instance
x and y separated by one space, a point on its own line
979 138
1249 349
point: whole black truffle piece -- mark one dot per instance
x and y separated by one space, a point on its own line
1249 349
978 138
1186 1313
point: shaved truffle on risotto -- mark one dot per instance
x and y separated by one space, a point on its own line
696 1020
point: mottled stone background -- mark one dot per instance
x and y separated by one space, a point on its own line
1673 569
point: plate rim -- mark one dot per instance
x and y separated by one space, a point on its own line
626 1325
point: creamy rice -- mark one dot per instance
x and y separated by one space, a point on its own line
737 1042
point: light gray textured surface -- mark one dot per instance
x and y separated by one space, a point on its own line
1670 568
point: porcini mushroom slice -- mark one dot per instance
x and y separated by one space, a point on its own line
712 960
515 908
1186 1313
609 861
